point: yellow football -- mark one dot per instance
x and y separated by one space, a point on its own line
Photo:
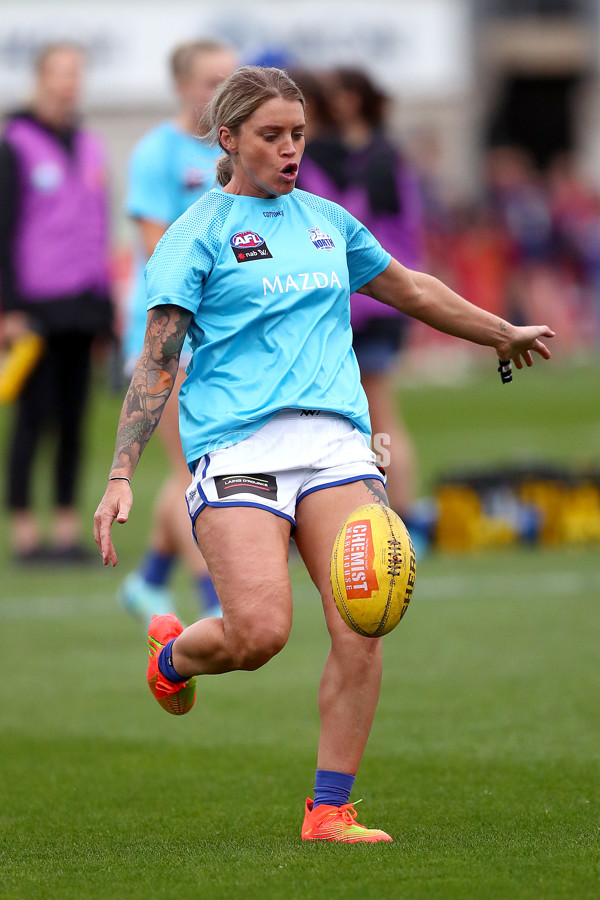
373 569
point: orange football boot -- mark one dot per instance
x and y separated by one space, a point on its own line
179 698
337 823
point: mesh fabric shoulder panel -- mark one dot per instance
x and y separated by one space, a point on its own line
204 220
365 255
186 254
345 223
195 238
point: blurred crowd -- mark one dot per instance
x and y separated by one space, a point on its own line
528 246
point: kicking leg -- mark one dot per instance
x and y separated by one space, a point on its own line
246 550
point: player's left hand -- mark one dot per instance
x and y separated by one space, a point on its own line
116 504
522 341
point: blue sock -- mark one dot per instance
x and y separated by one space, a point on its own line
156 568
165 664
332 788
206 592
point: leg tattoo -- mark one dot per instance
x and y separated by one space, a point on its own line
376 491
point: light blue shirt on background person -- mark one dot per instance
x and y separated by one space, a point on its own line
169 170
268 282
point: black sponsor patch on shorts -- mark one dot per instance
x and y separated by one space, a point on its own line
260 485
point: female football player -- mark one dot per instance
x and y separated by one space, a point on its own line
274 422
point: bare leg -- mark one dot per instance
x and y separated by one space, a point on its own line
385 420
171 532
24 530
66 527
351 679
246 550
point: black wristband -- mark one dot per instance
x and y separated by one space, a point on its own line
120 478
505 369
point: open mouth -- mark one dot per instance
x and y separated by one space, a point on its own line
290 171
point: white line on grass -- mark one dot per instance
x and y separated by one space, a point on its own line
437 586
49 607
547 583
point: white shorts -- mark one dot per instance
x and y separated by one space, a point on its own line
295 453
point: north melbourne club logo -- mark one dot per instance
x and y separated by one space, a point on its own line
249 245
320 240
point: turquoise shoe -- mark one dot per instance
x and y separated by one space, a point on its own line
143 600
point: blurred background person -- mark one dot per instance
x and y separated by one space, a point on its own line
350 159
170 169
54 273
575 207
481 253
517 197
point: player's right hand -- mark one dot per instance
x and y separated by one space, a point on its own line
116 504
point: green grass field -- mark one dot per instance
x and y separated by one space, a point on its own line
484 758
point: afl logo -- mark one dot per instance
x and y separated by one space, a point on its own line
246 240
248 245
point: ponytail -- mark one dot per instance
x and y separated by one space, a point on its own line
224 170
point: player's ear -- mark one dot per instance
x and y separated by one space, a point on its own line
227 139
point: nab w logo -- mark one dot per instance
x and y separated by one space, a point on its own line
310 412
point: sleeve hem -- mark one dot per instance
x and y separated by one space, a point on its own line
170 300
376 270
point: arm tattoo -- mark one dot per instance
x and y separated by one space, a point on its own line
151 383
376 491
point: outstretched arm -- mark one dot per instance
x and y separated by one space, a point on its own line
426 298
150 388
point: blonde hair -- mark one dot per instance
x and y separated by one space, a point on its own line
183 56
236 99
47 50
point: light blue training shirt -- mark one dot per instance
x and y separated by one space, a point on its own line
168 171
269 284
